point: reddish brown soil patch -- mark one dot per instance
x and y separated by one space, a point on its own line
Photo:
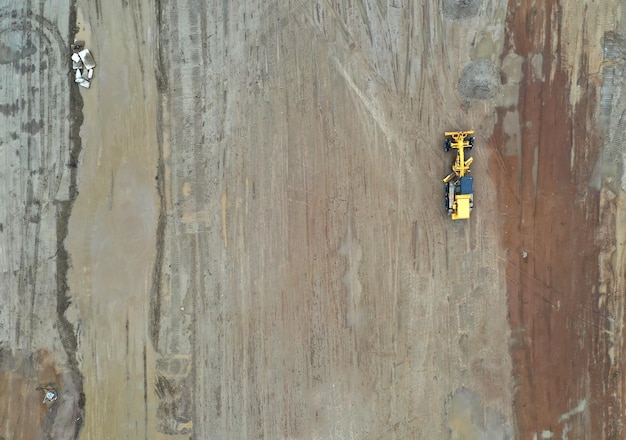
21 375
559 364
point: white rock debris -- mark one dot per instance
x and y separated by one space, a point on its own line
82 64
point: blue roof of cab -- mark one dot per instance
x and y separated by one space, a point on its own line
467 185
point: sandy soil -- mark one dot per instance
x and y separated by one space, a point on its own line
242 234
113 225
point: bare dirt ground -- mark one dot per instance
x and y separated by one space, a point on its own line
559 195
238 231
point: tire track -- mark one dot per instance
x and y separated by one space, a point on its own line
183 50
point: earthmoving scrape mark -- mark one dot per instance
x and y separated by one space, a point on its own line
351 249
225 16
170 327
373 109
154 323
342 25
161 73
366 19
407 57
224 201
161 54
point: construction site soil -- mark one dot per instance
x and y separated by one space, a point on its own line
238 230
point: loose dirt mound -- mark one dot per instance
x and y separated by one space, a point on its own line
460 9
479 80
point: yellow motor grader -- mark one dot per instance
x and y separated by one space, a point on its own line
459 185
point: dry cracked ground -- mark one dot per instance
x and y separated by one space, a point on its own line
238 230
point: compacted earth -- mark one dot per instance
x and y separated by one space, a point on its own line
238 230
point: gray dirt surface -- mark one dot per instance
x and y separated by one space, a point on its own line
36 149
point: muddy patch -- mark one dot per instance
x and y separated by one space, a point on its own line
11 53
10 108
468 418
33 126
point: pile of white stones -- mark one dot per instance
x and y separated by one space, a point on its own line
82 64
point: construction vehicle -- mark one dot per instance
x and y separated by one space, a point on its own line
459 185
